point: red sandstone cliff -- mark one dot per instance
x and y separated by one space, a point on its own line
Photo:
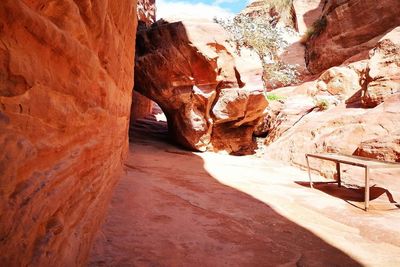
349 27
141 105
66 78
353 106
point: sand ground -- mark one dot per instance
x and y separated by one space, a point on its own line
177 208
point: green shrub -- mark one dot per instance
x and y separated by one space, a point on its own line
322 104
318 26
274 97
267 38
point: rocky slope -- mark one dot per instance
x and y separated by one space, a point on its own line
212 98
362 113
347 28
66 75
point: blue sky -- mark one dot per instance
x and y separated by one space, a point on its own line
235 6
201 9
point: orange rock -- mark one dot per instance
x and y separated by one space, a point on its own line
348 128
384 148
348 28
383 70
212 98
339 81
66 75
340 129
141 105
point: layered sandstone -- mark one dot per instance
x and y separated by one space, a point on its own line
339 130
383 71
212 98
347 28
384 148
141 105
361 116
66 75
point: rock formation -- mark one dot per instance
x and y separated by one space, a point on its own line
347 28
383 148
383 71
66 77
280 12
141 105
146 12
338 130
212 99
362 116
306 13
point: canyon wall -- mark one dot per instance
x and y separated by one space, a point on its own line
66 78
141 105
347 28
306 13
352 108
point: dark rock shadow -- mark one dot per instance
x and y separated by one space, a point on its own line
168 210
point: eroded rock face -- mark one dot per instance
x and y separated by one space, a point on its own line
65 94
349 27
307 12
278 14
383 71
338 130
211 100
384 148
141 105
361 116
146 11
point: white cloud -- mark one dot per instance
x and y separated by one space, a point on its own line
174 10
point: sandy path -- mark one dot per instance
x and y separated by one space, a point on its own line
175 208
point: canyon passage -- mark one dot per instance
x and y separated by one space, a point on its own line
174 133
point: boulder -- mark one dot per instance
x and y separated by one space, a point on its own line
339 129
66 78
342 82
212 98
292 110
347 28
383 70
382 148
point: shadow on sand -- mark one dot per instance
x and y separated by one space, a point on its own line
354 194
169 211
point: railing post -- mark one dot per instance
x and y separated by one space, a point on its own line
338 174
309 171
366 201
